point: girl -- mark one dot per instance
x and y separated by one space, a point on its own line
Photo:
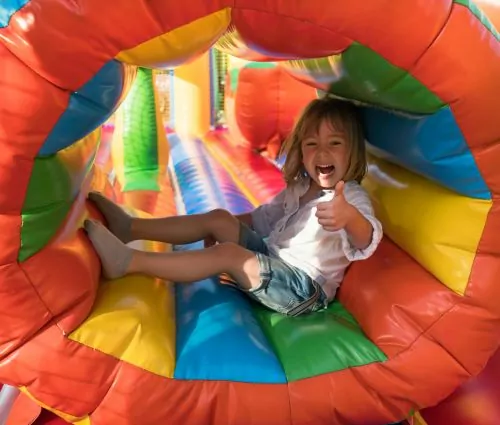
314 228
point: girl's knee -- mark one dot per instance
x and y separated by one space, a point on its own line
226 254
241 264
220 215
227 248
232 252
221 222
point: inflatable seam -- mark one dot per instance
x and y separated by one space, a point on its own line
295 18
425 334
37 293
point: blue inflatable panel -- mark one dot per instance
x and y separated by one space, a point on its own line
432 146
87 109
8 8
218 337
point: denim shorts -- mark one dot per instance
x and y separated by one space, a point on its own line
283 287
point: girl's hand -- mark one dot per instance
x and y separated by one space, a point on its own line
336 214
339 214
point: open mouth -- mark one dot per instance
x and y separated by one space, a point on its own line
325 169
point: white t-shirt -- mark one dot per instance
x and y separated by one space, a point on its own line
295 235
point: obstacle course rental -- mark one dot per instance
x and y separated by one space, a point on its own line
410 325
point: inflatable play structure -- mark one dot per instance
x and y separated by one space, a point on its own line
410 325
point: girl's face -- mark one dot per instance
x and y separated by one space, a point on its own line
325 156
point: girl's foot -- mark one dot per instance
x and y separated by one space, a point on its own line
115 255
118 220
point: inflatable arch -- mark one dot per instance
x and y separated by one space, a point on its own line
423 312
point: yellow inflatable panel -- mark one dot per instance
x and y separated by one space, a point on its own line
180 45
68 418
232 44
133 320
436 226
192 97
85 147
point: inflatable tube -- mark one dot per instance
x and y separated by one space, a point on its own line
423 315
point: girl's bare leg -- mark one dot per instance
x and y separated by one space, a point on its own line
191 266
183 267
219 224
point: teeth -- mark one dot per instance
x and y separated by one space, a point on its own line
325 169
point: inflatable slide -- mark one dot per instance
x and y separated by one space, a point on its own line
410 325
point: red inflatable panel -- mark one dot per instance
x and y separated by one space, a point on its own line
266 117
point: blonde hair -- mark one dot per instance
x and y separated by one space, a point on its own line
340 115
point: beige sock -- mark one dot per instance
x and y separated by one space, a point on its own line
118 220
115 255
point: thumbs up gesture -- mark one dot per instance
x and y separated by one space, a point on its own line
337 213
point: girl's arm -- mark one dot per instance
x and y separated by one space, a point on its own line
363 232
351 213
359 229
